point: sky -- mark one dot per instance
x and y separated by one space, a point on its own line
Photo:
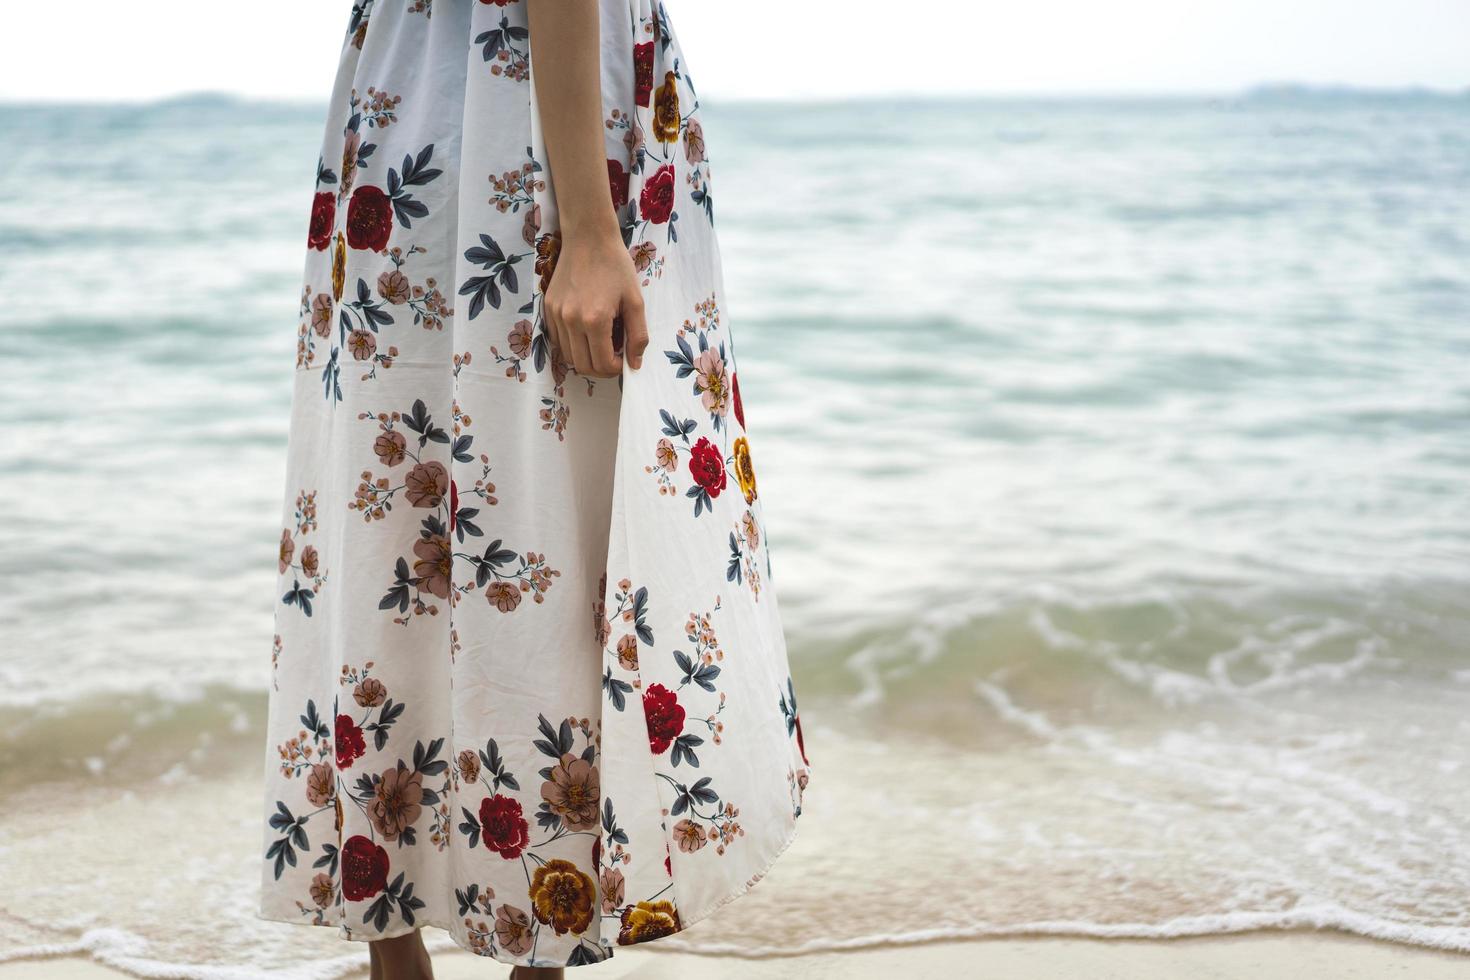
102 50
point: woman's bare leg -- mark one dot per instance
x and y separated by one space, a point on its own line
537 973
400 958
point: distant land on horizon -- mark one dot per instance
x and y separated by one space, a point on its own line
1298 90
1264 91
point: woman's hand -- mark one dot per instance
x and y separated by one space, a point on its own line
593 290
594 287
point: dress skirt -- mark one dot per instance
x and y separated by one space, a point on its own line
528 683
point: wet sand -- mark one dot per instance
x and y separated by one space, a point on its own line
1258 956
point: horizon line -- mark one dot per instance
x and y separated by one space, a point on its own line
1246 91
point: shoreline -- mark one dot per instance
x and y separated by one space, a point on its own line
1258 955
779 930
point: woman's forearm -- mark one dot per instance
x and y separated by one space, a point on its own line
593 309
566 71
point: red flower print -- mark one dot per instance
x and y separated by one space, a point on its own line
364 869
735 396
665 717
503 827
657 199
617 178
800 743
323 214
369 218
453 503
706 466
350 743
642 72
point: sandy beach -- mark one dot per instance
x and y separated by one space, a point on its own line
1262 956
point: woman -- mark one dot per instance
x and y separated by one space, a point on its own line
529 682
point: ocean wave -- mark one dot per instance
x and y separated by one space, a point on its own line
119 738
1034 662
1102 658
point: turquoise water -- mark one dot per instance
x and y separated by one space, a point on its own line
1114 452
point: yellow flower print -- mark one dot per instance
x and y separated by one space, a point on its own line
339 267
561 897
744 471
648 920
666 110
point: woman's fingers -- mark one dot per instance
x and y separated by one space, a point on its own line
581 356
606 363
635 329
588 344
554 331
569 337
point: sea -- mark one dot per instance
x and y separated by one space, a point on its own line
1116 463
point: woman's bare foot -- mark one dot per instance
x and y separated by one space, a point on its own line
400 958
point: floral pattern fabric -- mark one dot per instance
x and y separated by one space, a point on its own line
529 683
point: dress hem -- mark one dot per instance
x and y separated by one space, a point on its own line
685 921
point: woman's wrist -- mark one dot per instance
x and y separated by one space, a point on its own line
590 226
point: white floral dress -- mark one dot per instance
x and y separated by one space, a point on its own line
529 681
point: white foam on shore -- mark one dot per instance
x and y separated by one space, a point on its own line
1317 917
126 951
